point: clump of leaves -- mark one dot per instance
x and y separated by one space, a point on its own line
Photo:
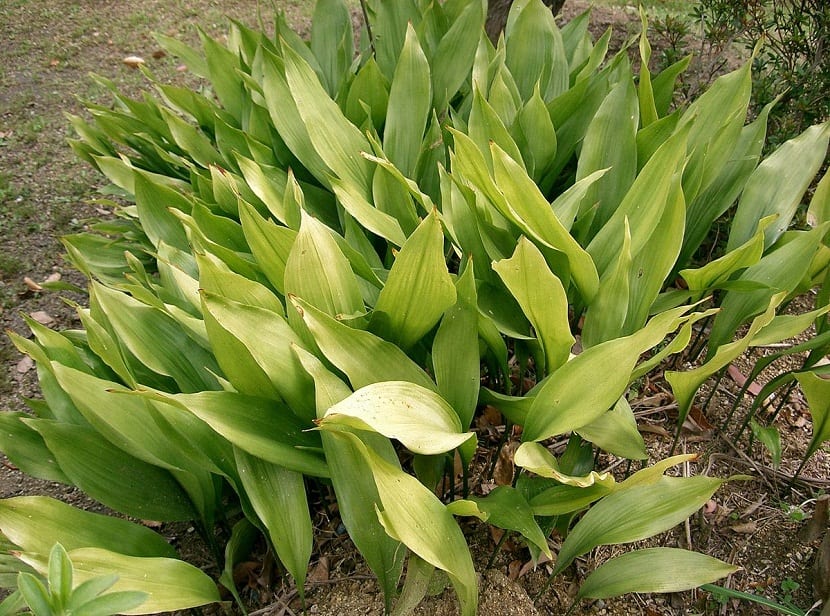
329 265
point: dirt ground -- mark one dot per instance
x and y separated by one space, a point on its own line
47 50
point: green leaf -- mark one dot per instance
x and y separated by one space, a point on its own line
278 497
455 350
410 102
817 392
583 389
171 584
611 143
652 570
35 594
269 243
418 289
534 215
778 184
616 432
685 384
238 548
542 298
419 418
36 523
412 514
535 51
262 427
368 96
253 346
537 459
618 518
112 603
59 575
27 450
363 357
90 461
353 482
455 53
770 438
319 273
505 507
332 41
335 140
779 270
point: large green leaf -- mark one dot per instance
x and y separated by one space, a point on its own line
455 350
778 184
418 289
537 459
419 418
36 523
264 428
583 388
143 491
653 570
278 497
411 513
253 346
616 432
454 55
332 41
363 357
27 450
636 513
410 101
353 482
542 298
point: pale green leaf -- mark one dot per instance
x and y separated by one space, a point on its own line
653 570
542 298
537 459
618 518
616 432
778 184
419 418
171 584
35 523
363 357
278 497
418 289
410 101
411 513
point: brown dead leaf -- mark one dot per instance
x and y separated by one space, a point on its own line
514 570
753 507
818 522
740 380
53 277
152 523
44 318
503 474
25 364
653 429
158 54
747 528
496 534
821 572
320 573
54 62
697 415
133 61
31 284
490 416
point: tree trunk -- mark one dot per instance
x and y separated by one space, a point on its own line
497 11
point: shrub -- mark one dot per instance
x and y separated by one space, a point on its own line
327 265
792 63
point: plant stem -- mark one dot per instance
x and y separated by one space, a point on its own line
368 27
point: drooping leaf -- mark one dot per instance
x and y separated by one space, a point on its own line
816 391
418 417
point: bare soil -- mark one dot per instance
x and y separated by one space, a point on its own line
47 50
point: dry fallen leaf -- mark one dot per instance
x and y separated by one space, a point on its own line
747 528
159 53
44 318
25 364
821 572
33 286
320 573
133 61
53 277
